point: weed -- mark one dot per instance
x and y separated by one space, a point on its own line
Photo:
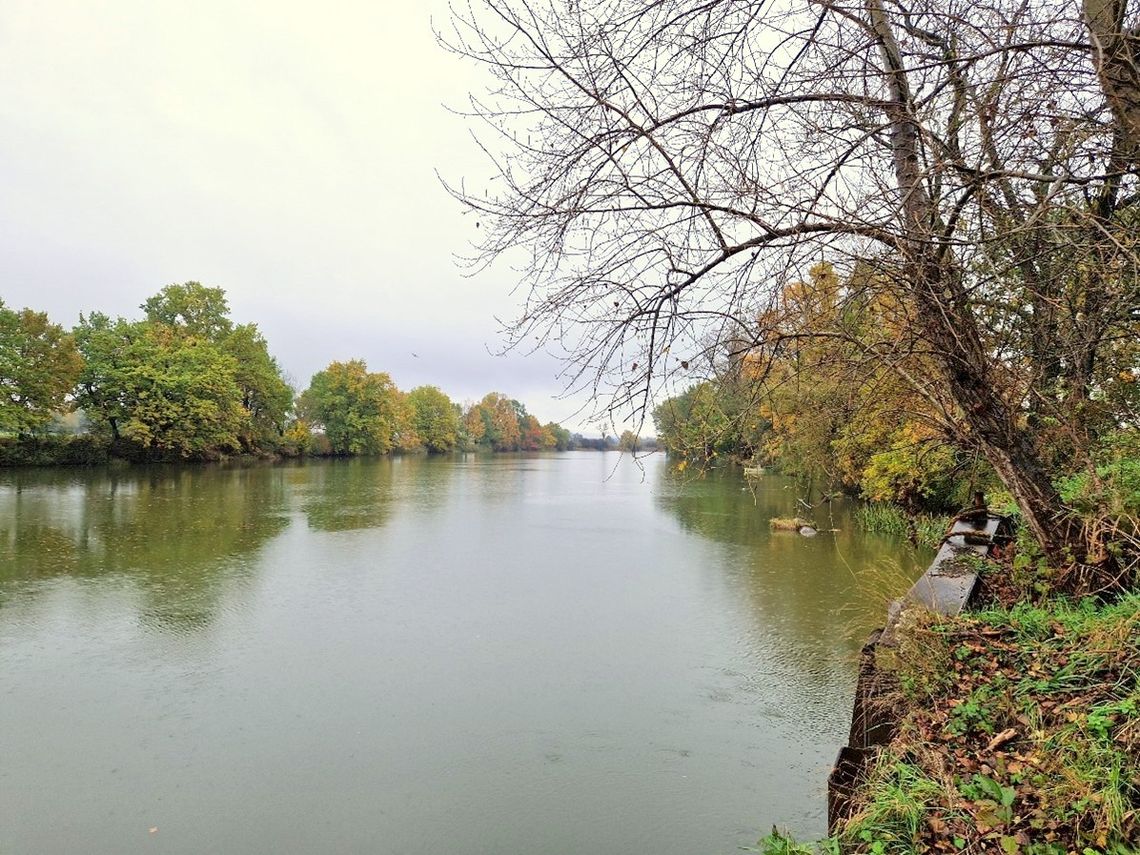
893 814
1020 733
779 843
881 518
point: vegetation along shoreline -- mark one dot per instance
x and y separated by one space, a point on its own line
187 383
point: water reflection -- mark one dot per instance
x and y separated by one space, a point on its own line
175 534
347 495
832 586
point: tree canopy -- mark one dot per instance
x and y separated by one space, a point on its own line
151 385
200 311
39 365
361 412
436 418
187 382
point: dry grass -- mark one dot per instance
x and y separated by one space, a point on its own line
788 523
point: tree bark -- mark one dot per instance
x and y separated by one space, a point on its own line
951 328
1012 453
1116 54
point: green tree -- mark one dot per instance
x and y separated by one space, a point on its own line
202 312
362 412
103 388
167 393
39 364
700 423
185 396
265 396
563 439
199 310
437 422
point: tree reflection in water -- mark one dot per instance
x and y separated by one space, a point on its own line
175 535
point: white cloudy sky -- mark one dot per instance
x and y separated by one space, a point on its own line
285 151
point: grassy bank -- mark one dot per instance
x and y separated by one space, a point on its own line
1019 733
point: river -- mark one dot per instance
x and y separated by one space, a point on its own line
563 654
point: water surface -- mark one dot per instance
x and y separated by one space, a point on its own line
545 655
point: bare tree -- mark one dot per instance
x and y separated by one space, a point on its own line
668 165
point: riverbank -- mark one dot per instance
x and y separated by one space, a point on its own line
87 450
1020 732
1016 729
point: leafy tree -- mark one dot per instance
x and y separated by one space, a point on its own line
435 418
473 427
500 418
201 311
198 311
407 438
533 436
184 395
699 423
133 385
39 364
103 390
167 393
265 396
628 441
296 439
563 439
820 410
362 412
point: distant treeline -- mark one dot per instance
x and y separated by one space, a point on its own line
187 383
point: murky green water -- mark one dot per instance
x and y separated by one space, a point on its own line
539 655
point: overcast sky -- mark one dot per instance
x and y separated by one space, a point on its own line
284 151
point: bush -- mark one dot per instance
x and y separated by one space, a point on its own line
84 450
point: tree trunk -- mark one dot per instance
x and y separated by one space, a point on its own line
1116 54
949 325
1011 452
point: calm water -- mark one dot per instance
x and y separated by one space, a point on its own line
539 655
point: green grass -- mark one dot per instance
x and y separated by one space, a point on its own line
779 843
893 816
891 520
1019 733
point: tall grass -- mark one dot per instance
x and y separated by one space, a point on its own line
891 520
